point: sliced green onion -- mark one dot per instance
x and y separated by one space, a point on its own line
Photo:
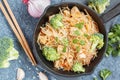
82 42
86 35
57 40
75 41
78 48
64 49
79 25
65 41
77 32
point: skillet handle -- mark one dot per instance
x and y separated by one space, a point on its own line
110 14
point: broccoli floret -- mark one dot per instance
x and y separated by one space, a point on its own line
58 17
56 21
97 41
50 54
78 67
7 52
114 41
99 5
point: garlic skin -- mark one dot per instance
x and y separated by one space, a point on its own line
42 76
36 7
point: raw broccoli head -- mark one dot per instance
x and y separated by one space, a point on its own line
99 5
97 41
50 54
78 67
56 21
7 52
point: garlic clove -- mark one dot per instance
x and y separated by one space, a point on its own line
20 74
42 76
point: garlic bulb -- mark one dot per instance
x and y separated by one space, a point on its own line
36 7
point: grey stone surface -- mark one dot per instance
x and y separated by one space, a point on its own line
28 24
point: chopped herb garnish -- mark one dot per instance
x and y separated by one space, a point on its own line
56 38
75 41
78 48
79 25
82 42
77 32
64 49
65 41
86 35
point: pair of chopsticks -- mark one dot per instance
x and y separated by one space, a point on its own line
17 30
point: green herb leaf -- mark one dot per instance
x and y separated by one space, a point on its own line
105 73
79 25
77 32
82 42
75 41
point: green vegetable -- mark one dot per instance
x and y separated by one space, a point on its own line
56 21
99 5
78 67
109 50
50 53
79 25
64 49
77 32
82 42
65 41
7 52
116 52
97 41
78 48
86 35
59 17
95 78
57 40
105 73
114 41
75 41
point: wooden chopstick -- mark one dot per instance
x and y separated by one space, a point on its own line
19 30
27 50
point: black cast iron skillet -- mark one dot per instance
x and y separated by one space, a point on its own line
53 9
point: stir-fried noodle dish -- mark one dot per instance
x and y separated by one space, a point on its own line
70 39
